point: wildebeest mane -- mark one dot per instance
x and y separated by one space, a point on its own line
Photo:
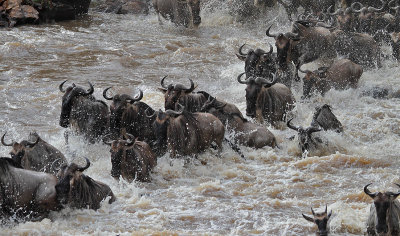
192 102
5 162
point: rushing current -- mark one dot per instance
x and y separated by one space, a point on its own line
264 194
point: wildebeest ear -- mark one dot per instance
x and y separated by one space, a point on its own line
163 90
241 57
308 218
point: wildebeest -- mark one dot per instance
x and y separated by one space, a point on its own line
187 133
128 115
395 42
36 155
384 215
324 118
265 3
76 190
342 74
83 113
24 193
132 159
307 43
244 132
179 94
321 220
180 12
304 44
267 100
307 143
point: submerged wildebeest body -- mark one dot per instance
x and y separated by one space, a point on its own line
36 154
186 133
324 118
244 132
179 94
24 193
180 12
83 113
132 159
76 190
321 220
267 100
384 215
342 74
128 116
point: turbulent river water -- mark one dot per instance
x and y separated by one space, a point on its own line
265 194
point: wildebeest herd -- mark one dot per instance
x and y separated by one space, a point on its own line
38 179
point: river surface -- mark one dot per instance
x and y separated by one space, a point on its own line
265 194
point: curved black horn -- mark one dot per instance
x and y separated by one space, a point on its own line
312 211
147 113
398 193
271 48
373 9
189 90
105 94
265 82
292 126
61 86
337 12
172 112
138 97
81 169
4 143
241 81
90 90
269 34
372 195
240 51
32 144
355 10
162 82
312 129
395 7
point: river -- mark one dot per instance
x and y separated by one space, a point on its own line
265 194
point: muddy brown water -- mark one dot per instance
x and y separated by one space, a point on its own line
262 195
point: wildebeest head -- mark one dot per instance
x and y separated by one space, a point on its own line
304 135
67 176
120 103
321 220
313 80
118 149
284 45
258 62
172 93
19 149
253 89
383 205
70 94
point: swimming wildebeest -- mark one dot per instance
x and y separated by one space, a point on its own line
321 220
36 155
180 12
244 132
77 190
175 94
307 143
187 133
310 6
132 159
342 74
324 118
267 100
24 193
128 116
83 113
384 215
